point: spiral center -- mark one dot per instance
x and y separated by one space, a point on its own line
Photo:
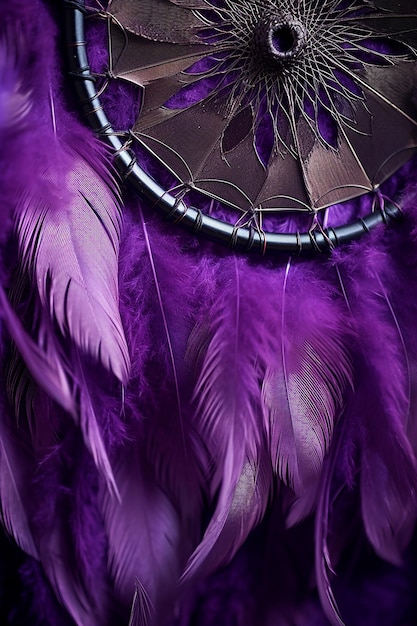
280 38
283 40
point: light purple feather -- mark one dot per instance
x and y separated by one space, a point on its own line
69 230
230 417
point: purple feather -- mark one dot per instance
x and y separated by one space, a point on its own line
143 533
379 411
230 416
45 365
69 238
91 431
142 609
15 107
303 388
16 460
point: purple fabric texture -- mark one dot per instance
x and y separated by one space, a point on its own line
190 437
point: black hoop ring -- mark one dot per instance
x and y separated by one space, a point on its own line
174 210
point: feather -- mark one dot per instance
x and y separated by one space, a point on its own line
240 508
379 411
231 418
178 456
371 450
16 462
63 379
15 103
89 427
68 232
15 97
323 565
304 392
143 535
300 507
44 364
388 489
161 307
59 566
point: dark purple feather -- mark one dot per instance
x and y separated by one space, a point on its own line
16 461
144 535
379 410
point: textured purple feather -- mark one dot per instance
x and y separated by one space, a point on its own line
239 510
230 416
69 237
303 389
45 365
143 533
379 409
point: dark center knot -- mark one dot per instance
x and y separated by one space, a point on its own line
280 38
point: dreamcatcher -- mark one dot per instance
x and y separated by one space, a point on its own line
268 110
191 435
